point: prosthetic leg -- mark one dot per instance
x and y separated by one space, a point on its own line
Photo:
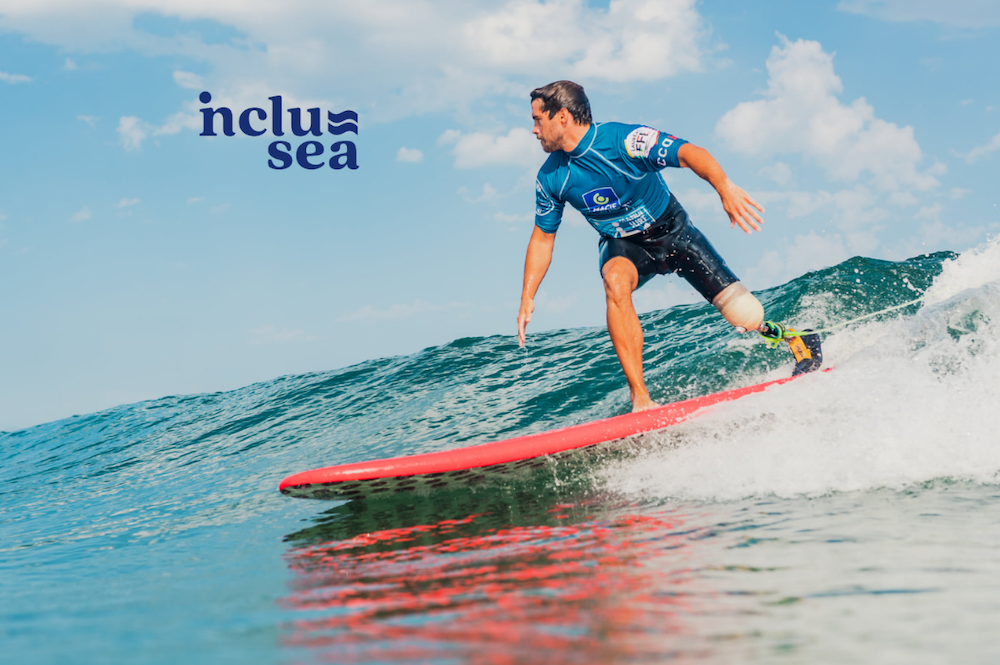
742 309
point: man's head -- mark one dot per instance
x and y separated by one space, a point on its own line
556 108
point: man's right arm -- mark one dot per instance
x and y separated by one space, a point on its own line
536 264
735 201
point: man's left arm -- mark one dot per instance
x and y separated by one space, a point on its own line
736 202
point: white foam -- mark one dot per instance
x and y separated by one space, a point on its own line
910 401
973 268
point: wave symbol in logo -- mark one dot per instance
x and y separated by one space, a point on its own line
601 199
341 123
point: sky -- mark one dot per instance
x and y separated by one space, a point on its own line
140 259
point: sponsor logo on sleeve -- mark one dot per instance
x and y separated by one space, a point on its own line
640 141
661 154
543 202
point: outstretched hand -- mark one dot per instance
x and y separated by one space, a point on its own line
740 207
523 316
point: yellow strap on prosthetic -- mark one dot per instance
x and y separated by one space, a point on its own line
798 347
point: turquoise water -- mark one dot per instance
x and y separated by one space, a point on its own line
849 516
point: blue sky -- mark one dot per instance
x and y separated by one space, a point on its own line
139 259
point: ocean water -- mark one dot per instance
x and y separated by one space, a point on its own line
849 516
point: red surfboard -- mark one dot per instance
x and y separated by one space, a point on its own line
496 460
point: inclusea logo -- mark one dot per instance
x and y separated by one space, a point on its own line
310 154
601 199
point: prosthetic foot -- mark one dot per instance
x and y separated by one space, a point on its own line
805 347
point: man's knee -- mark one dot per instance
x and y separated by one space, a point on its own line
620 278
740 307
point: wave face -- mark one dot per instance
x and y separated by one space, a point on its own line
153 532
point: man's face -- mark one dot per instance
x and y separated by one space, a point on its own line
548 130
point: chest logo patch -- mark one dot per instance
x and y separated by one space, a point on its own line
601 199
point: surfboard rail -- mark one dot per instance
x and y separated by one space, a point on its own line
471 463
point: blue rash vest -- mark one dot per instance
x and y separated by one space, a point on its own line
612 177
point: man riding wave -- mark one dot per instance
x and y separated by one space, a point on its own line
610 173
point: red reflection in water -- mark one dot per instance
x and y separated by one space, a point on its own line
590 592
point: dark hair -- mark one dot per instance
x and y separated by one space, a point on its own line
564 95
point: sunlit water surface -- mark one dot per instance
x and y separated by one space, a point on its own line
849 516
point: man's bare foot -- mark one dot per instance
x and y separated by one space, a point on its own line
642 403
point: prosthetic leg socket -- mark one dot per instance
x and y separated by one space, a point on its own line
740 307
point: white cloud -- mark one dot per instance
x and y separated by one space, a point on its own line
903 199
176 122
806 252
409 156
132 132
855 211
930 212
488 194
703 204
89 119
934 235
195 199
188 80
492 49
646 40
634 40
802 115
69 65
82 215
398 311
982 151
856 219
959 193
127 203
960 13
14 78
779 172
518 147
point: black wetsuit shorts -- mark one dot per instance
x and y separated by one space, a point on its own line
672 244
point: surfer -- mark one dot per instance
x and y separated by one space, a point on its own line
610 173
